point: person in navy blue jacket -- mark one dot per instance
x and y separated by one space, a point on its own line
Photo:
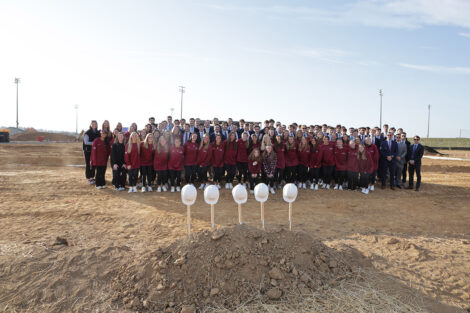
417 151
388 151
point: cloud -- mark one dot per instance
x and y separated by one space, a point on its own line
437 68
405 14
465 34
326 55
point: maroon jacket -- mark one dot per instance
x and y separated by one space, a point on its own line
133 158
242 151
146 155
160 160
353 164
291 156
281 157
327 155
254 168
304 156
204 156
366 166
341 158
374 152
217 159
314 158
175 162
99 153
230 153
190 153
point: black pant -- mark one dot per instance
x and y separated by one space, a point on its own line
218 173
230 168
340 177
100 173
372 177
190 172
314 175
253 181
133 175
364 180
175 178
291 173
389 167
146 175
89 170
269 181
403 174
119 177
302 173
162 177
279 175
352 180
327 174
202 173
242 171
411 169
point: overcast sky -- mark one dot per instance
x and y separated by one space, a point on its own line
304 61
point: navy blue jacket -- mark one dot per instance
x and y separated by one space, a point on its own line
385 151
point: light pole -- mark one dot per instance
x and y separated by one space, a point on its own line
171 110
76 119
429 117
17 82
182 91
381 95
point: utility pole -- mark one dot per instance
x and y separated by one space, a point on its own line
429 117
182 91
171 110
17 82
381 95
76 119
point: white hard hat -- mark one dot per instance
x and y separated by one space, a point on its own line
188 194
239 194
261 192
211 194
289 192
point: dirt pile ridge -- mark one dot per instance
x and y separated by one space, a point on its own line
33 136
228 267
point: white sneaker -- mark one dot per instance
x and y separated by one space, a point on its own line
336 187
131 190
143 189
251 191
172 189
323 186
312 186
367 191
363 190
230 185
226 185
201 187
135 189
372 188
218 186
178 188
340 187
316 186
149 188
272 190
165 188
159 189
300 185
328 186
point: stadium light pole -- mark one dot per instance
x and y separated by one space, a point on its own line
17 82
76 118
429 117
381 95
182 92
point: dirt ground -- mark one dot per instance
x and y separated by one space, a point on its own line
413 244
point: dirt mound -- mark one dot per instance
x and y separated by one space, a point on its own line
34 136
429 150
226 268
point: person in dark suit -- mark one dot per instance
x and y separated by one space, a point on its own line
208 128
414 165
388 151
408 154
200 131
217 131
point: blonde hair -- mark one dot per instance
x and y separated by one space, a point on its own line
264 143
202 142
129 143
361 155
146 141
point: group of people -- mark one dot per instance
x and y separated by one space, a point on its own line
164 155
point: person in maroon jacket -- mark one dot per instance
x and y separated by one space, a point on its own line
280 149
190 159
160 163
175 164
366 167
132 158
147 151
230 159
254 167
303 153
255 143
341 157
292 160
118 163
99 159
353 166
269 165
204 159
314 164
243 145
217 159
327 157
374 153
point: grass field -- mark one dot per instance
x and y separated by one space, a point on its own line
445 142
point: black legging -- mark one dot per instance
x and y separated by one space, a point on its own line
133 175
202 173
218 173
253 181
314 174
175 178
89 170
242 168
340 177
146 175
352 180
100 173
372 177
291 173
364 180
303 173
327 174
119 177
190 172
269 181
279 175
230 168
162 177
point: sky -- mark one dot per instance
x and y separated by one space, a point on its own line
310 62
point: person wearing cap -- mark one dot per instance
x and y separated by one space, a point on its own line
99 159
414 165
389 151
